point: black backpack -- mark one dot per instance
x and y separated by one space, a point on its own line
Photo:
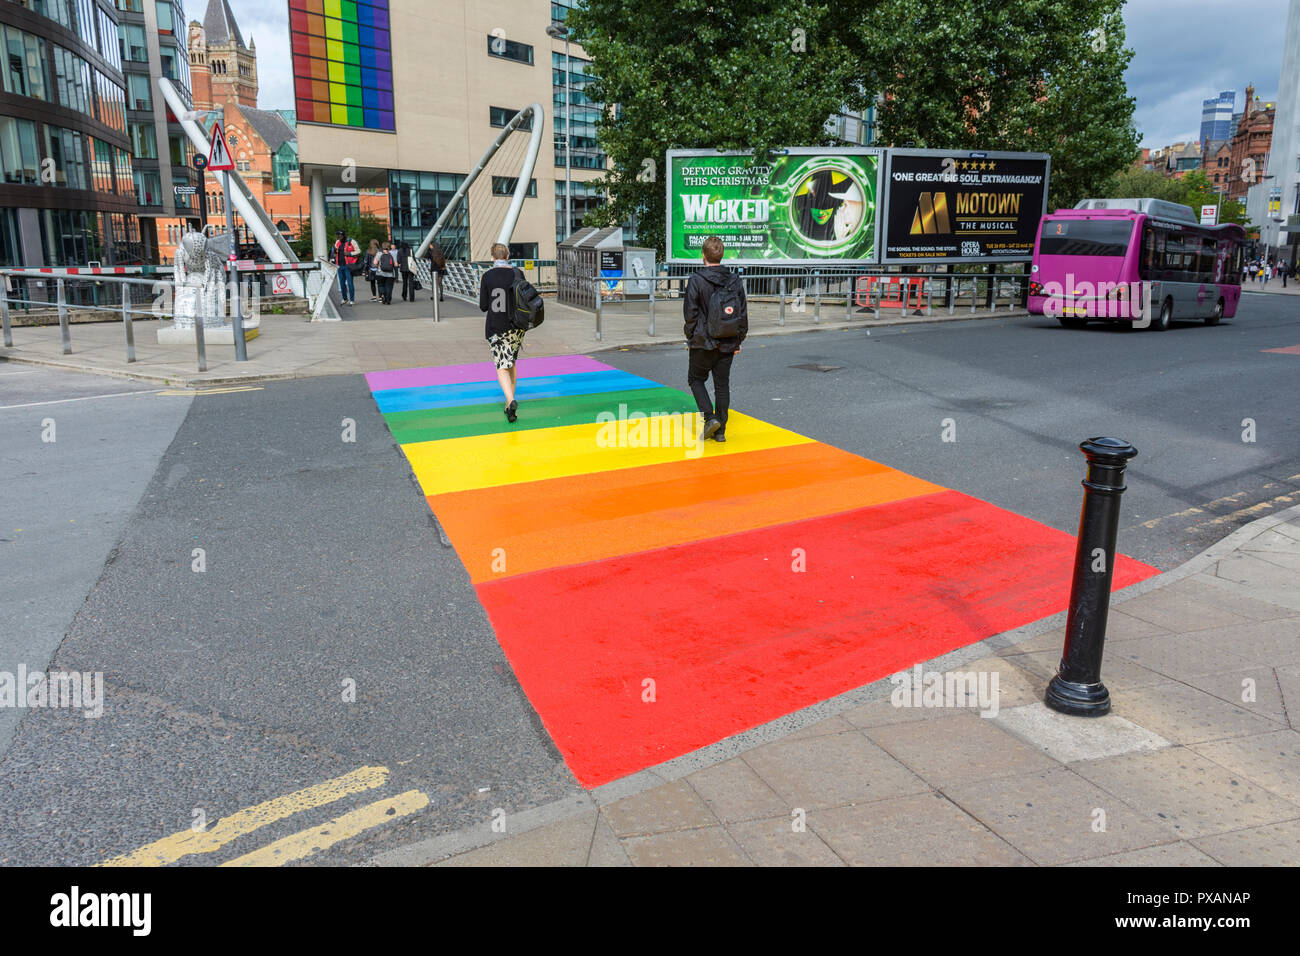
529 311
386 263
723 321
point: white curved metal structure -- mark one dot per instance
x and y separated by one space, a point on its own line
521 186
268 237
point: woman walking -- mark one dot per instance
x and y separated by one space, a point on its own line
496 298
385 266
406 262
371 251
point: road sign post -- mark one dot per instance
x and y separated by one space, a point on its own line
219 160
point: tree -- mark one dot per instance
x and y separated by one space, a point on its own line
1194 190
1035 75
706 74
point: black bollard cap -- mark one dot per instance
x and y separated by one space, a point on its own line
1108 451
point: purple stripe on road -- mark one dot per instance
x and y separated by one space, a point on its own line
480 372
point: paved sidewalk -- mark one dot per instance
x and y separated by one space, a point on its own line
1198 764
400 335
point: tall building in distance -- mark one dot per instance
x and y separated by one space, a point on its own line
67 187
1216 117
152 39
1248 160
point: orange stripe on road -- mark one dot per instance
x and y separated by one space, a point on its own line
564 521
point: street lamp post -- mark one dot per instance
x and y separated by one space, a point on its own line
556 30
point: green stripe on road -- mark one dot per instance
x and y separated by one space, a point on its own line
460 421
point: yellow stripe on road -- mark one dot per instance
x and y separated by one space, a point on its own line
505 458
304 844
189 842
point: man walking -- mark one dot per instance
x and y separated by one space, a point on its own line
717 321
345 253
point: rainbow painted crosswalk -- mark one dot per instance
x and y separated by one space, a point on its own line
655 595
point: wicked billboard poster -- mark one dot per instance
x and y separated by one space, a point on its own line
807 205
962 206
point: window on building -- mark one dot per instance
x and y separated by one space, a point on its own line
25 63
139 92
166 20
144 143
523 250
499 116
132 43
505 186
499 46
416 200
148 188
19 158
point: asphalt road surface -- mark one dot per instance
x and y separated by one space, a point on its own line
273 608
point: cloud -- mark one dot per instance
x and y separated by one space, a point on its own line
1187 53
267 24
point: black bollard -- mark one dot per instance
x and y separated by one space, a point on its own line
1077 687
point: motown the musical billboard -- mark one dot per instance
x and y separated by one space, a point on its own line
962 205
808 205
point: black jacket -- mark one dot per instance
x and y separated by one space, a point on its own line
695 308
498 321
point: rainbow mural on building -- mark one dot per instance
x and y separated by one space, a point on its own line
737 582
342 62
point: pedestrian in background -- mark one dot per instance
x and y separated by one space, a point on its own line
385 268
406 262
1266 270
371 251
437 268
344 255
717 321
496 297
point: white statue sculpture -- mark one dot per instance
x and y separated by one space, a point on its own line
200 288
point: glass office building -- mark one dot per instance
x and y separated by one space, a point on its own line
67 182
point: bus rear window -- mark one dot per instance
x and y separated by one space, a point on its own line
1085 237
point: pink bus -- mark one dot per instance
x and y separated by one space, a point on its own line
1134 262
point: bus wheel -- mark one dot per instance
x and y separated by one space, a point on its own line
1217 315
1072 323
1162 322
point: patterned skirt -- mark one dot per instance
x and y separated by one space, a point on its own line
505 348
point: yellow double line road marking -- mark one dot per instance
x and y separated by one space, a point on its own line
304 844
216 390
190 842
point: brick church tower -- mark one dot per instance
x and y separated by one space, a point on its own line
221 67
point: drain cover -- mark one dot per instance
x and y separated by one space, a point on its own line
810 367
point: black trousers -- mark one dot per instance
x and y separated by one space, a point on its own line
703 363
386 289
408 286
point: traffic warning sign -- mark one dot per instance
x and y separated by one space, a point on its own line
219 157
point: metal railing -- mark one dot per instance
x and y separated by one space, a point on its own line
832 288
131 280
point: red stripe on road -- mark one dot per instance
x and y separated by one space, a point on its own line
733 636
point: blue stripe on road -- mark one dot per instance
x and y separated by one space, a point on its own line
479 393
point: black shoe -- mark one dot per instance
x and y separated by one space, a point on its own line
510 412
720 436
711 428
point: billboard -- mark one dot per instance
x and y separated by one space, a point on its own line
807 206
962 205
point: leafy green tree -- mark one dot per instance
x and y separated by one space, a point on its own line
1194 189
1035 75
707 74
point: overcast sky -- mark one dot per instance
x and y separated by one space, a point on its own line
1185 52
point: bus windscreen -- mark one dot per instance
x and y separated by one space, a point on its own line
1085 237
